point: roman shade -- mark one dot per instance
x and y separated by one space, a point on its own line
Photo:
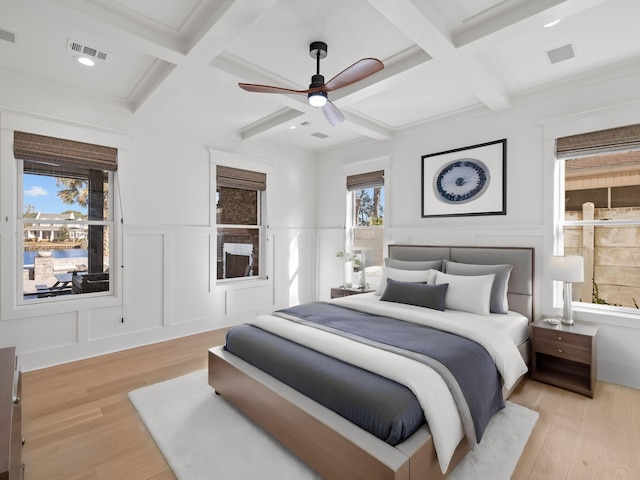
601 142
365 180
242 179
61 152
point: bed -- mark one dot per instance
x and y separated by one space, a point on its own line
339 448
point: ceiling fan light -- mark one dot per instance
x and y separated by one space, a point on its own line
317 99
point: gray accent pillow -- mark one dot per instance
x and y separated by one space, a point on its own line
418 294
498 302
413 264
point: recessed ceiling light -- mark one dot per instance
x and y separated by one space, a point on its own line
292 127
551 24
84 60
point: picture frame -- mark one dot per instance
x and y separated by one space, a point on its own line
467 181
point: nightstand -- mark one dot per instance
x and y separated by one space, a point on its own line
346 291
564 356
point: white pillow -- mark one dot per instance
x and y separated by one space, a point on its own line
425 276
467 293
499 302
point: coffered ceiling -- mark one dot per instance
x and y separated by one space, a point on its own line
184 58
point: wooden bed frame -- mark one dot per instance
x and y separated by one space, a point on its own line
330 444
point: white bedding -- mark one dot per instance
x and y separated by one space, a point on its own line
429 388
512 324
489 331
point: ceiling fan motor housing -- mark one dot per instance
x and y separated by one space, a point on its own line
316 81
317 93
317 50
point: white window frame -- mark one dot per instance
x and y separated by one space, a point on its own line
561 223
261 228
602 119
20 221
219 157
361 167
351 220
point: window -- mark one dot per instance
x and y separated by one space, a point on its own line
240 205
66 216
599 213
366 222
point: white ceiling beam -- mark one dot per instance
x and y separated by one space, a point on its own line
497 20
225 25
270 125
180 60
280 121
505 26
394 69
134 34
411 20
235 68
366 127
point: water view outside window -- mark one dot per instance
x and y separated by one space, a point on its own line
602 224
66 232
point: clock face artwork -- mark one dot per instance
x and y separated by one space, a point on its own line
461 181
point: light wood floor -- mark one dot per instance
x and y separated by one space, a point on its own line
79 424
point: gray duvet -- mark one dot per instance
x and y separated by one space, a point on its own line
380 406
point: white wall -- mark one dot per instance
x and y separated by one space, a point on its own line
530 127
165 275
165 289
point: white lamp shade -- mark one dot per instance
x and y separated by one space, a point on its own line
567 268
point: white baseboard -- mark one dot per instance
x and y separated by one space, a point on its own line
621 374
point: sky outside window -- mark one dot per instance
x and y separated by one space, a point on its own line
41 191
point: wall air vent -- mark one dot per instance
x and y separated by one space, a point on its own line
83 49
319 135
561 54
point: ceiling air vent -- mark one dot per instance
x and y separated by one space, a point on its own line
319 135
7 36
83 49
561 54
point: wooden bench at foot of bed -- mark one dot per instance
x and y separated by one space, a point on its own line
330 444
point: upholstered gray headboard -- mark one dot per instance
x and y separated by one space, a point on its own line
520 290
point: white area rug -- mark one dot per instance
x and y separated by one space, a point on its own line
204 438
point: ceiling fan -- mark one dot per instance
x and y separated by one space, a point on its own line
318 89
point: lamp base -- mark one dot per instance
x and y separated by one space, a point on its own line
567 311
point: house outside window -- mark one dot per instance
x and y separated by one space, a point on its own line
599 213
365 229
240 205
65 216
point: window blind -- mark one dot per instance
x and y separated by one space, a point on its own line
242 179
365 180
601 142
58 151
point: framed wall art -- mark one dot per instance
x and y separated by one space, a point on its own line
466 181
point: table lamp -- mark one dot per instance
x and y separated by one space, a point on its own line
567 269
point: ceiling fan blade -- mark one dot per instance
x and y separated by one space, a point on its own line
332 114
251 87
356 72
